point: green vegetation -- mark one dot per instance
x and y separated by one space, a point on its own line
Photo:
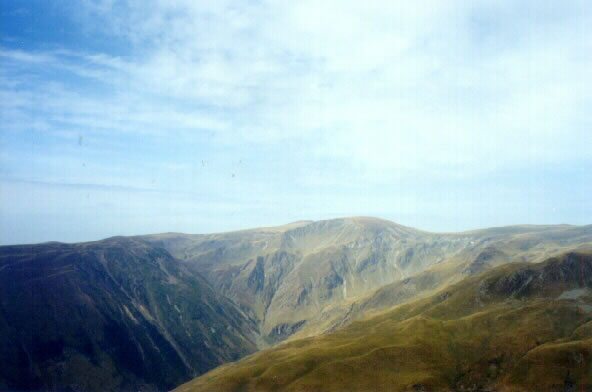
152 312
519 327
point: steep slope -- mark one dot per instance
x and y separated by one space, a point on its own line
153 311
283 277
518 327
493 251
309 277
110 315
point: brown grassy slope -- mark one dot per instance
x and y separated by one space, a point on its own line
529 247
304 279
519 327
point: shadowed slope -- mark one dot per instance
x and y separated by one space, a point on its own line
113 314
519 327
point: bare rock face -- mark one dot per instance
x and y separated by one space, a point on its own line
114 314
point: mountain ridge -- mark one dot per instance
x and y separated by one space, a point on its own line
180 304
488 332
325 263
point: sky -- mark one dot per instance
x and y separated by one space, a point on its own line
124 117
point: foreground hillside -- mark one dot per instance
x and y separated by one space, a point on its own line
518 327
118 314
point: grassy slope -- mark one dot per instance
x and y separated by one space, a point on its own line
504 245
509 329
312 277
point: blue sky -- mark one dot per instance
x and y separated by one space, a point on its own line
133 117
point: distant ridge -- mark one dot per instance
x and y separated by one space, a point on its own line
305 278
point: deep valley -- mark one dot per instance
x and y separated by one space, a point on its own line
345 304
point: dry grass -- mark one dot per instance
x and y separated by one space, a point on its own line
482 333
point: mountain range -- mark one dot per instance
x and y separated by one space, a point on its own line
345 304
518 327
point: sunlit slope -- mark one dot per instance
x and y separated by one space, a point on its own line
518 327
284 276
510 247
118 314
311 277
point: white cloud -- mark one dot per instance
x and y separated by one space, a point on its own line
344 94
386 84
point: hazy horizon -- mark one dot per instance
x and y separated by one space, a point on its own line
128 118
304 221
